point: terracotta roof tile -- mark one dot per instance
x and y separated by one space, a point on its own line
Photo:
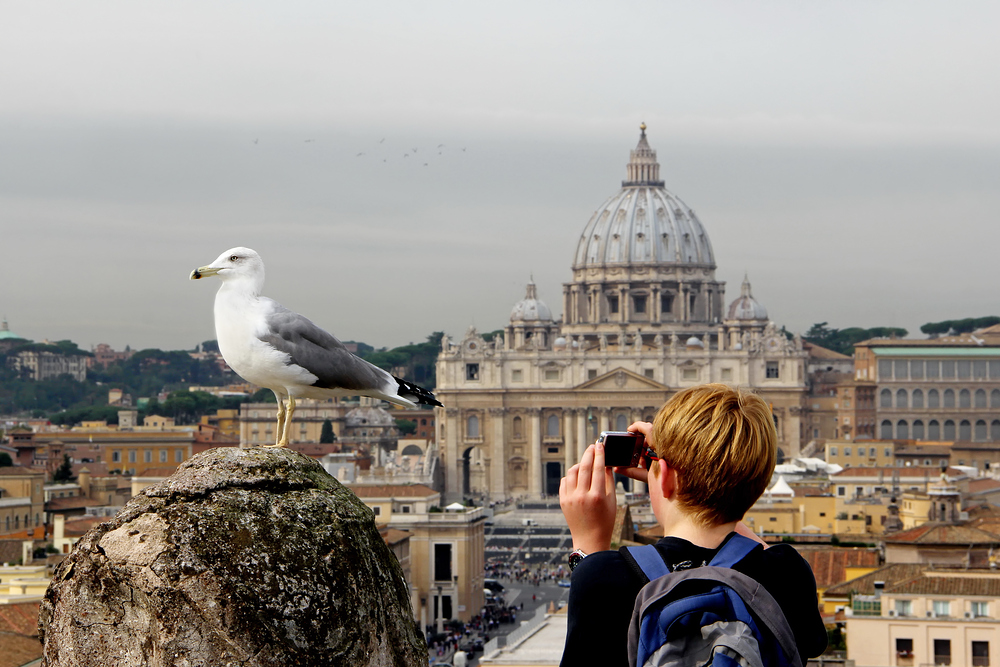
829 564
938 533
938 584
18 650
20 618
865 585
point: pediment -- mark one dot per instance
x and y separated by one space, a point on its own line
620 379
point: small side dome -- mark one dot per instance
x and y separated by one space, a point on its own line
530 308
559 344
368 416
694 341
746 307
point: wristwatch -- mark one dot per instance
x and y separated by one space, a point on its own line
575 558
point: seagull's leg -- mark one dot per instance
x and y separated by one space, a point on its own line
283 442
281 420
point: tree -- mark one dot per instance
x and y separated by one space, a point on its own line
406 426
326 432
5 460
64 473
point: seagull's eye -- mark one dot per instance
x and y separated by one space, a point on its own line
234 258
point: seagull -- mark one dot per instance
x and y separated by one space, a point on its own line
273 347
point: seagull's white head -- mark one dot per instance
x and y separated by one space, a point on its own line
235 265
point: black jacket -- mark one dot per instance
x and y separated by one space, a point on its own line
604 587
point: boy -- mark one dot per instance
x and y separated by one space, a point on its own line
712 450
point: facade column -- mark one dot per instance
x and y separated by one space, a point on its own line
605 419
535 462
452 474
654 304
498 456
569 441
581 433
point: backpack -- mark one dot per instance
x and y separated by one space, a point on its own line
709 615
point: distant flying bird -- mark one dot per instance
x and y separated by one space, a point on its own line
309 141
273 347
255 141
440 146
381 140
359 155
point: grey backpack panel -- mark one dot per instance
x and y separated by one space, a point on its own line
760 603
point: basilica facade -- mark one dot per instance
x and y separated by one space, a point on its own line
643 316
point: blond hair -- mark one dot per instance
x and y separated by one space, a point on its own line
722 443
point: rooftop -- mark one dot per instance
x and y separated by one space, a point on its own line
939 533
393 491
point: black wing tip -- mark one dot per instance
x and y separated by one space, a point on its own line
416 393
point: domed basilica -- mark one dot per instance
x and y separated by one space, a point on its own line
642 317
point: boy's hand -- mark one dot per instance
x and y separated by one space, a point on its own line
639 474
587 498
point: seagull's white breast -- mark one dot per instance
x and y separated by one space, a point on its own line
240 320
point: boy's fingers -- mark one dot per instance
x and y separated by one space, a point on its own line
586 469
571 477
599 471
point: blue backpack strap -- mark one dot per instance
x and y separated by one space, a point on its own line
646 560
733 550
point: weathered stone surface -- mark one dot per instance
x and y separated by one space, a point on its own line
242 557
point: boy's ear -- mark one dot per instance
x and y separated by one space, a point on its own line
667 479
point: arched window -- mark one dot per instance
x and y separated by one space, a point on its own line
995 429
621 423
17 522
552 426
472 426
965 399
918 398
901 401
933 399
933 430
7 529
918 430
980 398
980 434
995 398
518 428
949 398
902 430
949 430
885 398
965 430
886 430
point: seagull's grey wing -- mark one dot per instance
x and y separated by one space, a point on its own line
320 353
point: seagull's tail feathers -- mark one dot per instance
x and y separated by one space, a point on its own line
415 394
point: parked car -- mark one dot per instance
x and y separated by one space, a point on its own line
564 583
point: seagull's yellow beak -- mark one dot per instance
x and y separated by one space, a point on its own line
204 272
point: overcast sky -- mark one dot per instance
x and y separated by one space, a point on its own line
846 155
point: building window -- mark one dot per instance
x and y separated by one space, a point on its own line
666 303
178 455
518 431
648 372
116 456
472 427
942 651
918 430
727 374
833 450
904 608
131 456
163 456
841 491
639 304
980 609
406 509
949 398
980 654
689 374
552 426
472 372
904 647
885 398
377 510
517 375
147 456
551 374
847 451
591 373
933 398
771 370
612 304
442 562
942 608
